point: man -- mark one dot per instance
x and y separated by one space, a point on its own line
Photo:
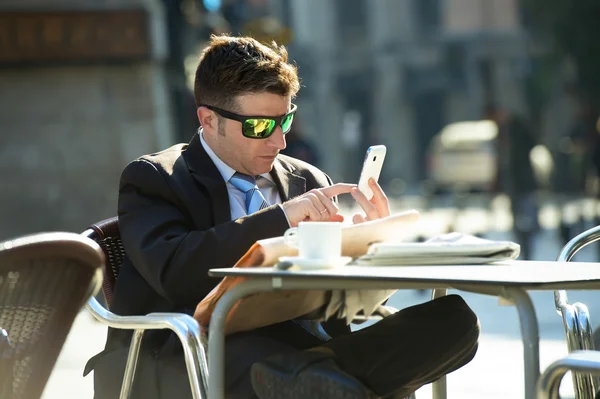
515 175
202 205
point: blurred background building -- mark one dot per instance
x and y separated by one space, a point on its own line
403 69
88 85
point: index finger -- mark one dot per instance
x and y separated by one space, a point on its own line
337 189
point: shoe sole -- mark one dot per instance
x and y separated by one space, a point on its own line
271 383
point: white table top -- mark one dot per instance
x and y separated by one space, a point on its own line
524 274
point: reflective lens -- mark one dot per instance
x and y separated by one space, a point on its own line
286 124
258 128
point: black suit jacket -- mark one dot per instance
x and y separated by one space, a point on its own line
174 218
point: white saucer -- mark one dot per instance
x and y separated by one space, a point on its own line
316 263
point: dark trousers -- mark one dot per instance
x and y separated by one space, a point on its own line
395 356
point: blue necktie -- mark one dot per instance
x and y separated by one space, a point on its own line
253 199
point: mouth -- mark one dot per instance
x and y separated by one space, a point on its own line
269 157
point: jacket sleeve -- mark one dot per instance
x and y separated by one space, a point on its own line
167 250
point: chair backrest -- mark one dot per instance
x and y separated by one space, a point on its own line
44 281
106 233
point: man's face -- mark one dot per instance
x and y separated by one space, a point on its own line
245 155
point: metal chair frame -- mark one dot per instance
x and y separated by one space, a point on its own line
586 361
183 325
576 319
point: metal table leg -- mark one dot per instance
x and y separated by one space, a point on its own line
531 338
439 388
216 339
216 332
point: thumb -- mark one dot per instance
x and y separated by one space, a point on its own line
358 218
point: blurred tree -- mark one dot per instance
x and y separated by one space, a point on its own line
573 28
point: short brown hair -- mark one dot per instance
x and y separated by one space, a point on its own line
233 66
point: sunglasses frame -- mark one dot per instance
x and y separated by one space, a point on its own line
243 118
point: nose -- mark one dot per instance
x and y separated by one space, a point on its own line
277 139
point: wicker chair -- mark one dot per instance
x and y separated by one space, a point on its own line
45 279
106 234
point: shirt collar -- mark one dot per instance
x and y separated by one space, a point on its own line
226 171
268 177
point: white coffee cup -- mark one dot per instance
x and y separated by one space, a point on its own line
316 240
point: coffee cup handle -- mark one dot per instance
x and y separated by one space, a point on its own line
290 237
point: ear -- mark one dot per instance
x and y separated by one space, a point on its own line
208 120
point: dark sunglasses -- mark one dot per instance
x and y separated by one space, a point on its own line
259 127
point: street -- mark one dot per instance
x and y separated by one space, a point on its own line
496 371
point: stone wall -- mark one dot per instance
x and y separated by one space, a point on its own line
67 131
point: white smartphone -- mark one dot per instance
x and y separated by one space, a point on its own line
371 168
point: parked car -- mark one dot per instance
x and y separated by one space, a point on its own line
463 156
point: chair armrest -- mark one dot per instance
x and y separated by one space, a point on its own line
184 325
152 321
567 253
579 361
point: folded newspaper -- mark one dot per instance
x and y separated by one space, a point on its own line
263 309
446 249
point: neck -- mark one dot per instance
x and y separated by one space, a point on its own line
213 143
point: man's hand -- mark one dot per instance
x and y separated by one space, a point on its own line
316 205
378 207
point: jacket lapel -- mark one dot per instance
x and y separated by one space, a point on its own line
206 173
289 185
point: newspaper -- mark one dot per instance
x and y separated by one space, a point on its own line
446 249
264 309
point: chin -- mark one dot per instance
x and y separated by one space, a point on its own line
264 167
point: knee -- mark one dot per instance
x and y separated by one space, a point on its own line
461 317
